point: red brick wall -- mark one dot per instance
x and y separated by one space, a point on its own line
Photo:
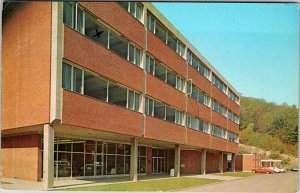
218 143
220 96
199 110
232 126
199 80
165 54
233 147
26 65
114 15
165 93
212 162
234 107
248 162
21 157
77 110
197 138
191 160
84 52
239 162
219 119
164 131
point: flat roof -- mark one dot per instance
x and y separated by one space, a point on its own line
173 29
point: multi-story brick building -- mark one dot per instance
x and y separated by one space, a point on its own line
97 89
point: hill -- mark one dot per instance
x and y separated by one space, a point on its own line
269 126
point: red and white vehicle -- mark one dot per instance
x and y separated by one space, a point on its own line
263 170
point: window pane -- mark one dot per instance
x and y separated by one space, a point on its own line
64 164
124 5
68 14
64 144
111 148
178 117
89 164
179 84
139 11
120 149
160 32
170 114
171 78
95 87
66 82
77 164
111 165
117 95
137 102
172 42
118 45
95 30
151 107
131 53
132 8
78 145
90 146
131 100
79 20
149 65
195 93
77 80
194 121
137 57
150 23
159 110
160 71
147 106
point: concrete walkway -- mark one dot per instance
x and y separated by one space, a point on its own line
215 177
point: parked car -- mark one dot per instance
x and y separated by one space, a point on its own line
263 170
277 170
294 169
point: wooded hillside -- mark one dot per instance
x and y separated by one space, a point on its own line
269 126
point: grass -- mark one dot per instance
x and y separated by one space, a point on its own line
5 182
238 174
149 185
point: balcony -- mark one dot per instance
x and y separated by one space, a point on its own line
163 130
85 52
83 111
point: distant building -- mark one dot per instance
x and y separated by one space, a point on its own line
96 89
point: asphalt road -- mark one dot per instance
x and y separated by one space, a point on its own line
284 183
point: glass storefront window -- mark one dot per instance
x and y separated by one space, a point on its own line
78 145
64 164
64 144
89 164
77 164
90 146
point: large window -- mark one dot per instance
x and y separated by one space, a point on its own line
163 73
97 87
218 83
197 124
219 108
199 95
162 111
233 96
165 35
232 137
92 27
233 117
134 8
218 131
197 64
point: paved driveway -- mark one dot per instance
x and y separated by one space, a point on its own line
285 183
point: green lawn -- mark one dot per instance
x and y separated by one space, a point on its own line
149 185
5 182
238 174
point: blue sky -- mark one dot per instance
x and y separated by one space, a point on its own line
254 46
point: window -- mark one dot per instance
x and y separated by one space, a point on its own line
180 48
172 42
68 15
218 83
233 117
218 131
197 64
160 32
159 110
95 87
149 106
179 83
77 80
151 23
233 97
134 8
178 117
134 55
188 121
219 108
203 126
160 71
133 100
150 65
117 95
232 137
80 19
170 114
95 30
171 78
194 122
67 76
118 44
